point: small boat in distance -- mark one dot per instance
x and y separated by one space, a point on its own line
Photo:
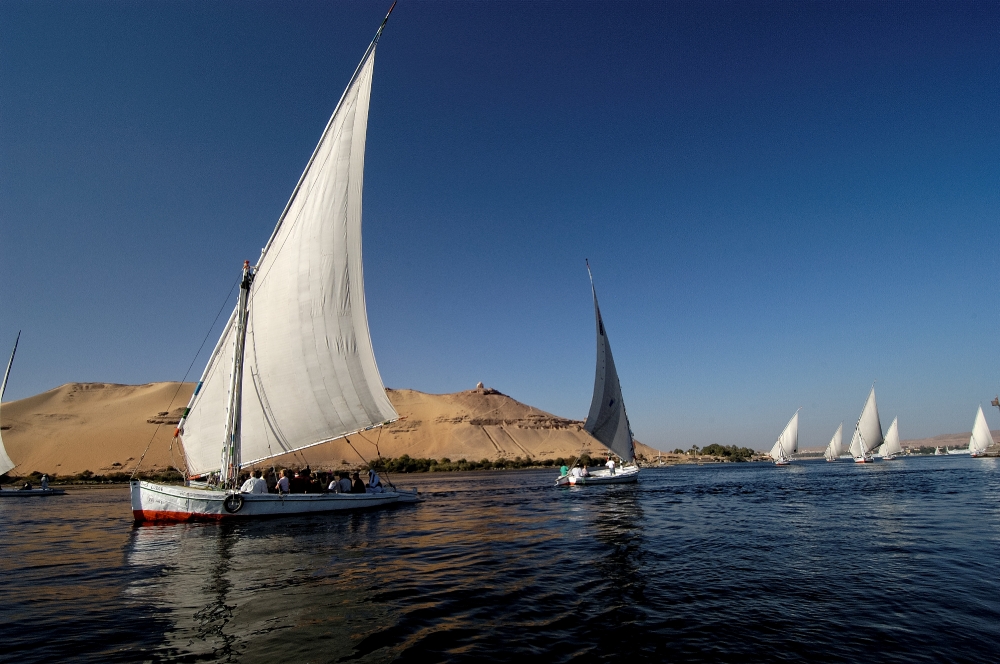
867 432
836 446
981 438
6 464
938 452
890 449
787 443
298 340
607 421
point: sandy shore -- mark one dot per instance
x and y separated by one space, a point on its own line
105 428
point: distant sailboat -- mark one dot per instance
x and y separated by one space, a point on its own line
836 446
867 432
938 452
981 438
607 421
5 463
298 341
787 443
890 448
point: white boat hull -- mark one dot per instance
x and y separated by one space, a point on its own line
162 503
31 493
603 476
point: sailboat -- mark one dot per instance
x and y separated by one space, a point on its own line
890 448
5 463
981 438
836 446
607 421
294 366
867 432
787 443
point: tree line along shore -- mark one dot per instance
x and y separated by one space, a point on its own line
406 464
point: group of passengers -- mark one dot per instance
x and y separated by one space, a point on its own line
580 470
303 481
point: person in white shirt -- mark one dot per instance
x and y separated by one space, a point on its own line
611 465
255 483
576 472
374 483
45 482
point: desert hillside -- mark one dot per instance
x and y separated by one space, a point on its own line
104 428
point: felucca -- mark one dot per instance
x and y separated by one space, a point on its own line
5 463
981 438
867 432
890 448
294 367
787 443
607 421
836 445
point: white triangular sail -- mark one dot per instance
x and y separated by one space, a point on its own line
607 421
868 431
836 446
309 374
788 441
981 437
5 462
891 445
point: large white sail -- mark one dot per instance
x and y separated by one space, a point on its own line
5 462
788 441
891 445
836 446
981 436
868 431
607 421
309 374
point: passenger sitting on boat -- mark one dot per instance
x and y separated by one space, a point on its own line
255 483
298 483
45 482
374 483
563 471
576 472
358 486
345 482
334 485
611 465
584 472
26 487
306 482
283 483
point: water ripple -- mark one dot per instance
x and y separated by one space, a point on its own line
893 562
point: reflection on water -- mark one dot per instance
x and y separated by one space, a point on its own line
833 562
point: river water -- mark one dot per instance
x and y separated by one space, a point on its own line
836 562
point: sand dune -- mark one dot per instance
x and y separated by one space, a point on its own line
951 440
105 427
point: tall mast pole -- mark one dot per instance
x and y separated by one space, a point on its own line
230 469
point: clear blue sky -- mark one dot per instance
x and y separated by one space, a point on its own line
781 201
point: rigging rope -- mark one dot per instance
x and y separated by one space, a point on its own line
181 384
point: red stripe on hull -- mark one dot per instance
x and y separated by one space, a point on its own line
173 517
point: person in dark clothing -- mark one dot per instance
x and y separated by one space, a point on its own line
299 483
357 486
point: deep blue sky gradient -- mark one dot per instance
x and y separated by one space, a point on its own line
782 201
